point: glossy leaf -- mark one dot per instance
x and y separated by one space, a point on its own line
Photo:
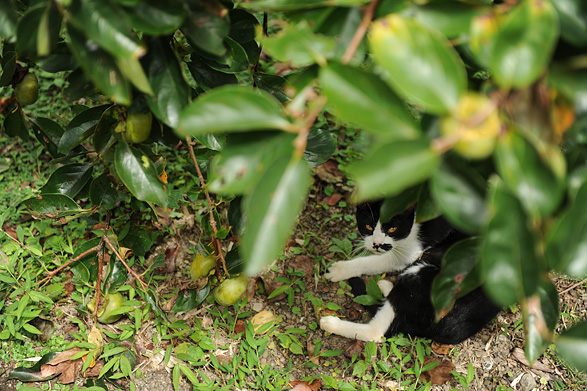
271 209
104 131
363 99
48 133
157 18
78 128
573 20
509 263
458 198
102 193
8 66
321 145
273 84
457 277
171 93
107 25
49 28
572 346
139 240
393 167
523 44
8 19
242 25
397 204
543 315
27 31
132 70
188 299
52 204
528 175
68 179
206 76
427 208
232 109
567 240
422 67
206 30
295 5
14 124
139 175
299 45
244 159
234 61
100 66
33 374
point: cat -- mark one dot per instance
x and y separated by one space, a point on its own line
407 307
395 244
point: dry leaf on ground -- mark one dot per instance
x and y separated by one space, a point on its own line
440 374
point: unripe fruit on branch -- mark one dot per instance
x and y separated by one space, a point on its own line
27 91
137 129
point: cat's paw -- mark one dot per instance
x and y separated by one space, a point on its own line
330 324
339 271
385 287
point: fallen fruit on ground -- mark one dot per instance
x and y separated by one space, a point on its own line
111 302
231 290
27 91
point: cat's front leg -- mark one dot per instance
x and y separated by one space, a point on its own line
369 265
373 331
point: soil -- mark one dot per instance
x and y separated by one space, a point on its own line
495 353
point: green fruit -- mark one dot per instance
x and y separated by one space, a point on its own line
230 290
111 302
138 127
27 91
201 266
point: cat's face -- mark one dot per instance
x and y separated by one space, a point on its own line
383 236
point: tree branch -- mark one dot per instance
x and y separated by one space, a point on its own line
360 32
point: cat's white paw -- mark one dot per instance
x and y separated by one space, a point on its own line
330 324
385 287
340 271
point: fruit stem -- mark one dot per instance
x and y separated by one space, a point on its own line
215 240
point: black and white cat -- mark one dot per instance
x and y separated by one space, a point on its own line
407 308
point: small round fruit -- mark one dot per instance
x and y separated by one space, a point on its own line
27 91
201 266
230 290
111 302
138 127
475 125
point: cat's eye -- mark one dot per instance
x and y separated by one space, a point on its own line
369 228
392 230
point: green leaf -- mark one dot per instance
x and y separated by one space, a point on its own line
48 133
423 67
155 17
33 373
321 145
139 240
509 263
27 31
102 193
107 25
528 175
407 162
363 99
139 175
206 76
52 204
49 28
543 315
14 123
271 209
8 67
242 25
572 346
189 299
244 159
232 109
68 179
565 248
459 199
295 5
457 277
573 20
131 69
398 203
171 93
273 84
100 66
80 127
8 19
299 45
205 29
523 44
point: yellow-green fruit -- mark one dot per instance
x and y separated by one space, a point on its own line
475 125
27 91
201 266
111 302
230 290
138 127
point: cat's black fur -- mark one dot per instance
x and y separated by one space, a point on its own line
411 308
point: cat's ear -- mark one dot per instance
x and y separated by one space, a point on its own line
370 209
410 213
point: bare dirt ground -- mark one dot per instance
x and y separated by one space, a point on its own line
495 354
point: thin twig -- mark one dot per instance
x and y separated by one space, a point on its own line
100 266
54 272
573 286
301 140
135 275
215 240
360 32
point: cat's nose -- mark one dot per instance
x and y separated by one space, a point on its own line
382 246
